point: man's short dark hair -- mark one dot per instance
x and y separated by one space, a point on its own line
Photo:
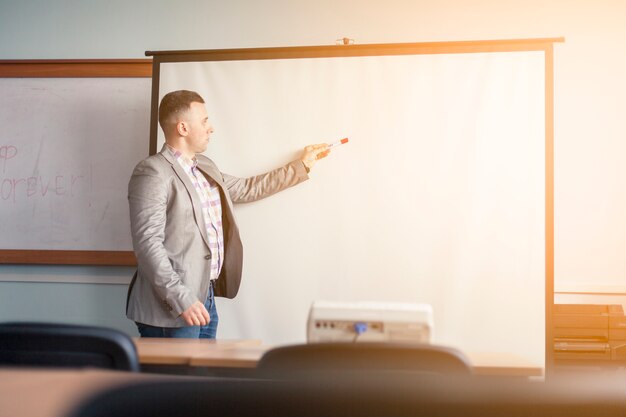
175 103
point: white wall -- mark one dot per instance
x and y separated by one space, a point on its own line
590 91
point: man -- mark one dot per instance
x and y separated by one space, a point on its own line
184 232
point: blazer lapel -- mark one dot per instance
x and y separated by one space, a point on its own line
191 191
208 172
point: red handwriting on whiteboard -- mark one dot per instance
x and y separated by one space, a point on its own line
12 189
7 152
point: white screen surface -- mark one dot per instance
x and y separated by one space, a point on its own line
438 198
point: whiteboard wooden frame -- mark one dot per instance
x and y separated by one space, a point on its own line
84 68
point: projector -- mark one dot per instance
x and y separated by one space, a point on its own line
369 322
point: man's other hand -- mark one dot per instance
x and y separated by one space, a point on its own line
196 315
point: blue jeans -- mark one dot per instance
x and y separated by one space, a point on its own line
191 332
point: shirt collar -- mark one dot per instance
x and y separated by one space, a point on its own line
182 159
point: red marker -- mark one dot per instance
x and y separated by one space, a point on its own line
339 142
327 151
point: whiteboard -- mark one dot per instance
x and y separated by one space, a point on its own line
439 197
67 150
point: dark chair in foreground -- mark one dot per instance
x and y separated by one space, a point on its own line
394 397
361 357
66 346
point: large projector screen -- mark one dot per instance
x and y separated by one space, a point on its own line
438 198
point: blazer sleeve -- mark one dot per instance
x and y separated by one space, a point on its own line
148 198
245 190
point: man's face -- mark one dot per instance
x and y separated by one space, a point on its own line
198 127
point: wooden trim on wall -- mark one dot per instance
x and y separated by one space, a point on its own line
76 68
67 257
589 288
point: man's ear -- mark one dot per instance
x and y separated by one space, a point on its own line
182 129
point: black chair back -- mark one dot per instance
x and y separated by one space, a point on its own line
66 346
374 357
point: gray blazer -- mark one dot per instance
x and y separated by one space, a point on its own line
170 238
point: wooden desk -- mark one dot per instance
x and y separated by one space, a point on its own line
164 351
503 364
53 393
244 355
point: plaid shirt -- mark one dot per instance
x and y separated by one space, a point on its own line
209 194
